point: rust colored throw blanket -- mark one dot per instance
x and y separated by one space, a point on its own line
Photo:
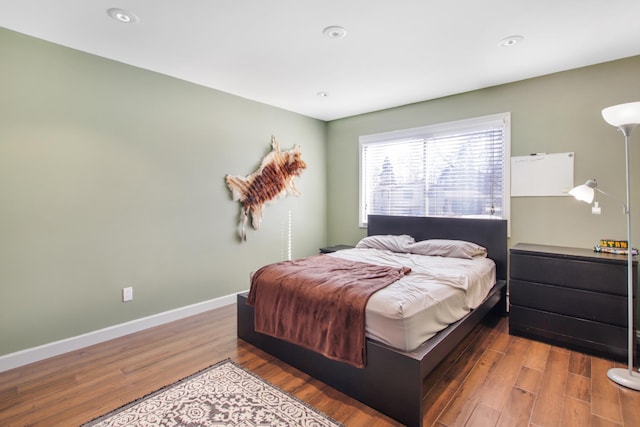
319 303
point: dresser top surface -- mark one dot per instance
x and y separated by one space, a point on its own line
563 251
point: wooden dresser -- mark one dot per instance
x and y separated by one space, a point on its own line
571 297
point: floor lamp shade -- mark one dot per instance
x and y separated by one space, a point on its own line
622 115
585 192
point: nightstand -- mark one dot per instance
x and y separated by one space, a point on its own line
335 248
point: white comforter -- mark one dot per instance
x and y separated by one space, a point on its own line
437 292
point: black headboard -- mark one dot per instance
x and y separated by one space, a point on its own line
490 233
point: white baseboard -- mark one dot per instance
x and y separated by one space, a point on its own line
35 354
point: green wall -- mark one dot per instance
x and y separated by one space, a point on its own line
113 176
553 114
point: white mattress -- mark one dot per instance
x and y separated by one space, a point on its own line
437 292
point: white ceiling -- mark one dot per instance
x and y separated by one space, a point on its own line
394 53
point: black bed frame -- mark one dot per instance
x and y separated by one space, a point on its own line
392 381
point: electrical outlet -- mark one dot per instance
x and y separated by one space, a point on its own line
127 294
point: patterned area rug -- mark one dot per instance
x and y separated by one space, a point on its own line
221 395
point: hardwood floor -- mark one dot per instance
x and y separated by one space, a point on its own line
491 379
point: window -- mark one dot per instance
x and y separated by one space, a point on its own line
452 169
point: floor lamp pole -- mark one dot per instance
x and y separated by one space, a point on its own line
627 377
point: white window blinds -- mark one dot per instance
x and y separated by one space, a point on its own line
454 169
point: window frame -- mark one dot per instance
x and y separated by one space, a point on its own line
439 129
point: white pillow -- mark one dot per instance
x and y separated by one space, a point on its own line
448 248
395 243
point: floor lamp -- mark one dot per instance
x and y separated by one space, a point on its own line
625 117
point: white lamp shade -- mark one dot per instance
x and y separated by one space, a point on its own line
623 114
583 193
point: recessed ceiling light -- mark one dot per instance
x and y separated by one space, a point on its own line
334 32
123 16
322 94
510 41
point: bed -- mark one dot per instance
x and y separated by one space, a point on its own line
391 382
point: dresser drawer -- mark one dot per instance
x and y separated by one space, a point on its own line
585 335
572 273
611 309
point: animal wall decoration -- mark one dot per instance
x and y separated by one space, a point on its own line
274 178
